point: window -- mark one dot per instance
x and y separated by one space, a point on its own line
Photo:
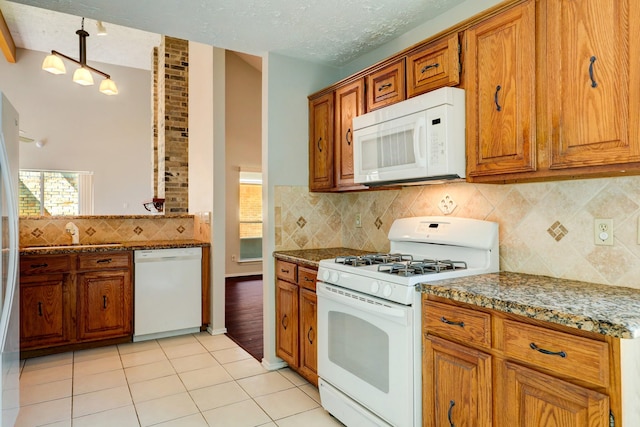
250 210
54 193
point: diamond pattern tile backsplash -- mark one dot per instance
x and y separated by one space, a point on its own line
41 231
545 228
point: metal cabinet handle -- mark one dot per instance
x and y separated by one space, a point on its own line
306 279
39 265
495 98
318 144
430 66
551 353
449 322
452 403
104 261
284 271
285 324
593 82
309 335
104 302
39 308
384 86
346 137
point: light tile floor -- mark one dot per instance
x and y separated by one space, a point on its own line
191 380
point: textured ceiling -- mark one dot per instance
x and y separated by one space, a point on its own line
332 32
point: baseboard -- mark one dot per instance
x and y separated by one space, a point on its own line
217 331
273 366
233 275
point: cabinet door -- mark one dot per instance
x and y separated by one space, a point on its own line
349 104
456 385
43 312
386 86
105 304
287 322
592 59
321 143
435 66
535 399
308 333
501 124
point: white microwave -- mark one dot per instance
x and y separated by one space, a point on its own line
419 139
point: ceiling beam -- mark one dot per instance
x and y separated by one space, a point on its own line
6 41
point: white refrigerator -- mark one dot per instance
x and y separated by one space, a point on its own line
9 292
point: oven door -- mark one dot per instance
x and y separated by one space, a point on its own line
365 350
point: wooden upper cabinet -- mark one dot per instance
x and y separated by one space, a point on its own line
501 110
386 86
592 76
321 143
434 66
349 104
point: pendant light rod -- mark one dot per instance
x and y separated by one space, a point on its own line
95 70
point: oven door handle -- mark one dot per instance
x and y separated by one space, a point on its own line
399 313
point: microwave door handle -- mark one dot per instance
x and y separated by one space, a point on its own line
419 148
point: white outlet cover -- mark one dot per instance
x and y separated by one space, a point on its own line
603 232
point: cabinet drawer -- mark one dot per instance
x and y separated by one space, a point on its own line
286 271
307 278
386 86
461 324
559 352
103 260
435 66
45 264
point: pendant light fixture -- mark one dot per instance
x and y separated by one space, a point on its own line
53 64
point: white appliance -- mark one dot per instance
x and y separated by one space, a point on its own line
419 139
369 327
9 294
168 292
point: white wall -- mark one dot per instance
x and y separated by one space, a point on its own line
243 149
85 130
286 83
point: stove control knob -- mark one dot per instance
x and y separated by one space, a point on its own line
387 291
325 275
375 287
335 276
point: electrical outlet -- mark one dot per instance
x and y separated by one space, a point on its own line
603 232
233 257
358 220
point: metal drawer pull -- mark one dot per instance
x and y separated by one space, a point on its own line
104 302
384 86
306 279
39 308
104 261
551 353
451 405
318 144
285 324
39 265
430 66
309 333
449 322
495 98
591 61
284 271
346 136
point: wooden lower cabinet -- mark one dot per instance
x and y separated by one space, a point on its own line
74 300
535 399
105 308
296 318
526 373
456 385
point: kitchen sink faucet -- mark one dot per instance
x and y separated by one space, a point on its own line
72 229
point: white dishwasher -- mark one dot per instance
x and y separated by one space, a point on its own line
168 292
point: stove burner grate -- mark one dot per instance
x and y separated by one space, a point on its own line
371 259
426 266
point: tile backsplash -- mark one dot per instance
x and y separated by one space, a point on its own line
545 228
41 231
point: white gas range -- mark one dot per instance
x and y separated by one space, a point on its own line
369 316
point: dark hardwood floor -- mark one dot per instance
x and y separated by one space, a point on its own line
243 306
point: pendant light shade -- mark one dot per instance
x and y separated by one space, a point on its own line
82 76
108 87
54 65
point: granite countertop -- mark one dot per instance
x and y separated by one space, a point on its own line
312 257
125 246
608 310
